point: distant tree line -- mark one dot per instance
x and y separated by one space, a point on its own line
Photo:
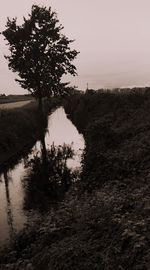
2 96
140 90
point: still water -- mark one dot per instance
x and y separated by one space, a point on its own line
13 217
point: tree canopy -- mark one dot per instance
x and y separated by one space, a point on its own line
39 52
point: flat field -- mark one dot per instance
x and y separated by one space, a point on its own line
13 105
14 98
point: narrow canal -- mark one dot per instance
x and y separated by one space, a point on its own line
13 215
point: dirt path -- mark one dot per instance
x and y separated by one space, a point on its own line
14 105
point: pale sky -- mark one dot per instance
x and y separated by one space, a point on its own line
113 37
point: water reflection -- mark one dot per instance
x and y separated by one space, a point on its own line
60 131
23 188
7 179
11 198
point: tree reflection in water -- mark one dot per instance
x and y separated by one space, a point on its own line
49 177
7 179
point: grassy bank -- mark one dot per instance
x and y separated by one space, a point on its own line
19 129
116 166
103 223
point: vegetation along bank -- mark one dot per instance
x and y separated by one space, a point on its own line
103 222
